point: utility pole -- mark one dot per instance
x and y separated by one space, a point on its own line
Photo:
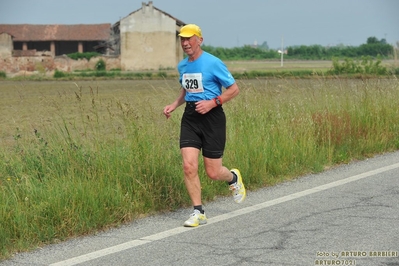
282 50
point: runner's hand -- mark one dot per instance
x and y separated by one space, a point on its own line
204 106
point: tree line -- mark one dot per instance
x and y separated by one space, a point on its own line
373 47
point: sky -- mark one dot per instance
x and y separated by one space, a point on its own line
233 23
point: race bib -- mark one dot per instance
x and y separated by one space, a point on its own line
192 82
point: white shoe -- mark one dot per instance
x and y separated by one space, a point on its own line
196 218
238 188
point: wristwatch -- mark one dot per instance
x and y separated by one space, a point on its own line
218 101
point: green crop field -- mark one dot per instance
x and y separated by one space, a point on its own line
239 66
81 156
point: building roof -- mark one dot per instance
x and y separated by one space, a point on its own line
80 32
178 22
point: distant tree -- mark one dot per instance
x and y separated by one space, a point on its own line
264 46
371 40
374 47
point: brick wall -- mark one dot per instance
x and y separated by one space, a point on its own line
45 63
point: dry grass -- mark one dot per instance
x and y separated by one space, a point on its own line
26 106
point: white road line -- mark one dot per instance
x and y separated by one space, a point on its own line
223 217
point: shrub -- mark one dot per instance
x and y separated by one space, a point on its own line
100 73
59 74
100 65
88 55
3 74
365 66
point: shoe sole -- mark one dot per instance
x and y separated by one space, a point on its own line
188 225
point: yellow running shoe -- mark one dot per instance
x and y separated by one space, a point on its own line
238 188
196 218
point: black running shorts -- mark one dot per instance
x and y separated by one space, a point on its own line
206 132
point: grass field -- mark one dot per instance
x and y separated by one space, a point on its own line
256 65
290 65
251 69
82 156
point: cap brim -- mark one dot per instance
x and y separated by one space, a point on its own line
186 35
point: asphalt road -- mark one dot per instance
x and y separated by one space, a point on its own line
348 215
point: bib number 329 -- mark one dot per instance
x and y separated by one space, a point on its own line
192 82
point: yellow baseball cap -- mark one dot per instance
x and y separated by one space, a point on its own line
190 30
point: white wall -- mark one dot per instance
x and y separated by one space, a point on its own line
148 40
6 45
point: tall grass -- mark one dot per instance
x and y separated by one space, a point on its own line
289 128
81 157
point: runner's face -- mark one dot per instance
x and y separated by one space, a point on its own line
191 45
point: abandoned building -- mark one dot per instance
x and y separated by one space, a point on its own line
57 39
146 39
149 39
